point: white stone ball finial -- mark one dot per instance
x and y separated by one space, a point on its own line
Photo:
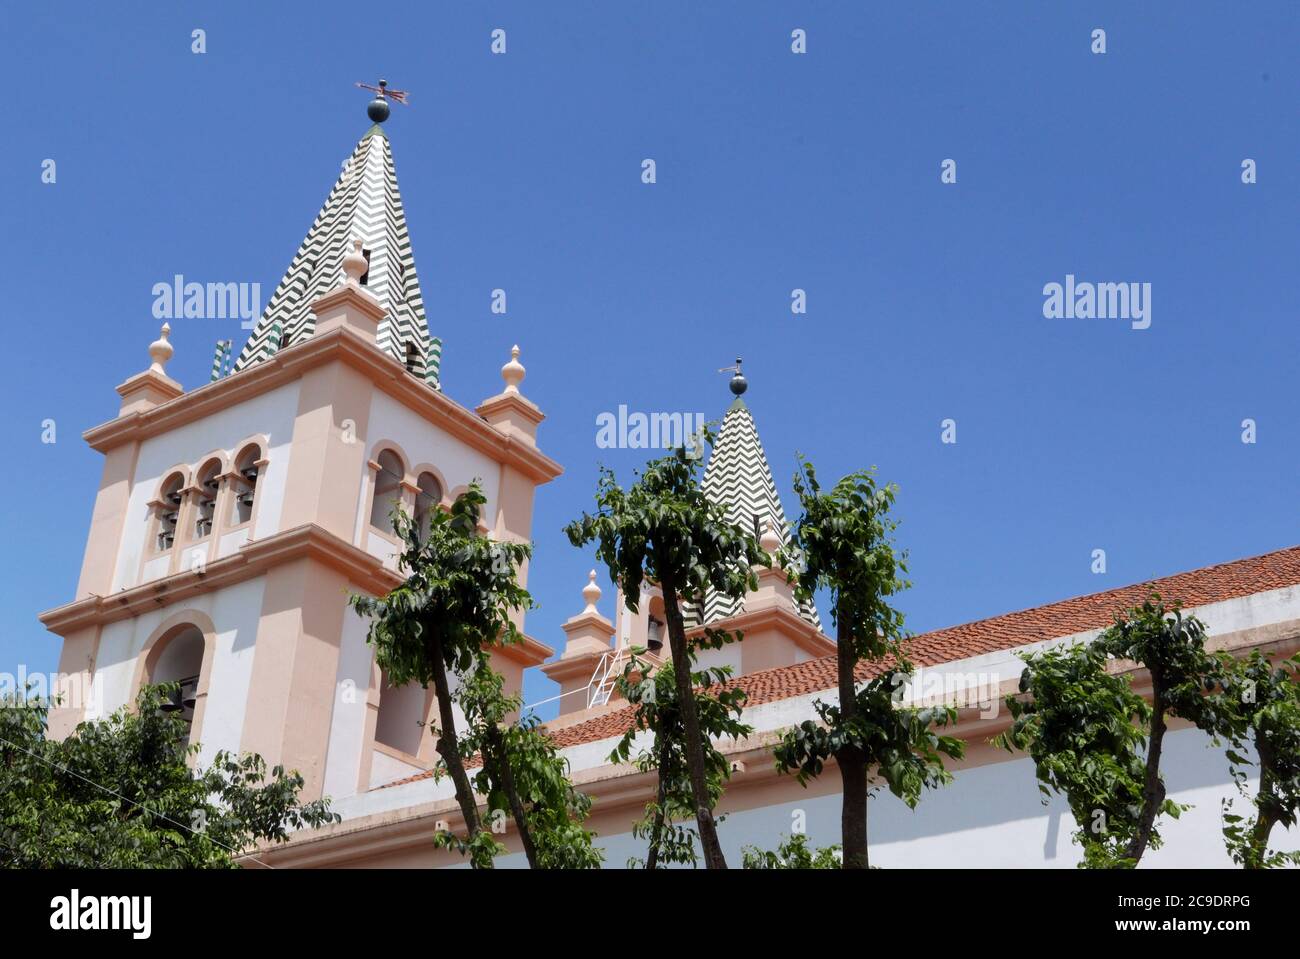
591 593
769 541
513 372
160 351
354 264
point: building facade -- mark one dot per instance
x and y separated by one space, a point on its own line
233 520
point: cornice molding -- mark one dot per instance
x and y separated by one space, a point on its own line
341 344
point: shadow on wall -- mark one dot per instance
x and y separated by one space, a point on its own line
991 816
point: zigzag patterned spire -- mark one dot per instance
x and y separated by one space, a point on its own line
738 477
364 203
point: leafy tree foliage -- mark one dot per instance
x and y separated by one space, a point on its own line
793 853
653 694
664 530
458 597
523 776
120 793
844 542
1086 728
1266 698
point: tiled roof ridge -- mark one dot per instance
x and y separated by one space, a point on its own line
1198 587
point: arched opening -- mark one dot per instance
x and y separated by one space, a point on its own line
402 711
426 501
247 473
654 638
412 357
205 504
179 659
388 490
168 512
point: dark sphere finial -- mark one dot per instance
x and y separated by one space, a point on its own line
738 383
377 109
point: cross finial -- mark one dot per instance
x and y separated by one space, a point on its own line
377 109
738 382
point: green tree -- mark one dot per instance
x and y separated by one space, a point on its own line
1086 728
844 543
523 775
664 530
458 597
653 695
121 793
793 853
1266 698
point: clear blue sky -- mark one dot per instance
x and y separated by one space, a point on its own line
775 171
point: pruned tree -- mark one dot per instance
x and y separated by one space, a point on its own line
1266 699
1084 728
522 774
652 692
459 595
843 542
123 793
1097 741
664 530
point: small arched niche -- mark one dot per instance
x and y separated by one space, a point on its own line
426 501
245 478
179 659
388 489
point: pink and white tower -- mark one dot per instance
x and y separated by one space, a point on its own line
233 519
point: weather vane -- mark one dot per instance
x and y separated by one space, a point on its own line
377 109
738 382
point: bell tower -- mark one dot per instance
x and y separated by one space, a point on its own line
233 519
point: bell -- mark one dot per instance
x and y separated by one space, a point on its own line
173 704
654 635
191 694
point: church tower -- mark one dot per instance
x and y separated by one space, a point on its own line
778 628
233 519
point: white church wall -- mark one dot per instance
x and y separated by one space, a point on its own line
271 413
728 655
235 611
423 442
990 817
348 722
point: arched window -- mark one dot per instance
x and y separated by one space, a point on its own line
169 512
244 481
412 357
205 503
388 489
180 661
426 501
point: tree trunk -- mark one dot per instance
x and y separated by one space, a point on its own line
449 748
1153 790
853 770
507 775
1264 820
657 829
709 845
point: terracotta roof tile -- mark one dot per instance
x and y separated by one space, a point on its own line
1198 587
